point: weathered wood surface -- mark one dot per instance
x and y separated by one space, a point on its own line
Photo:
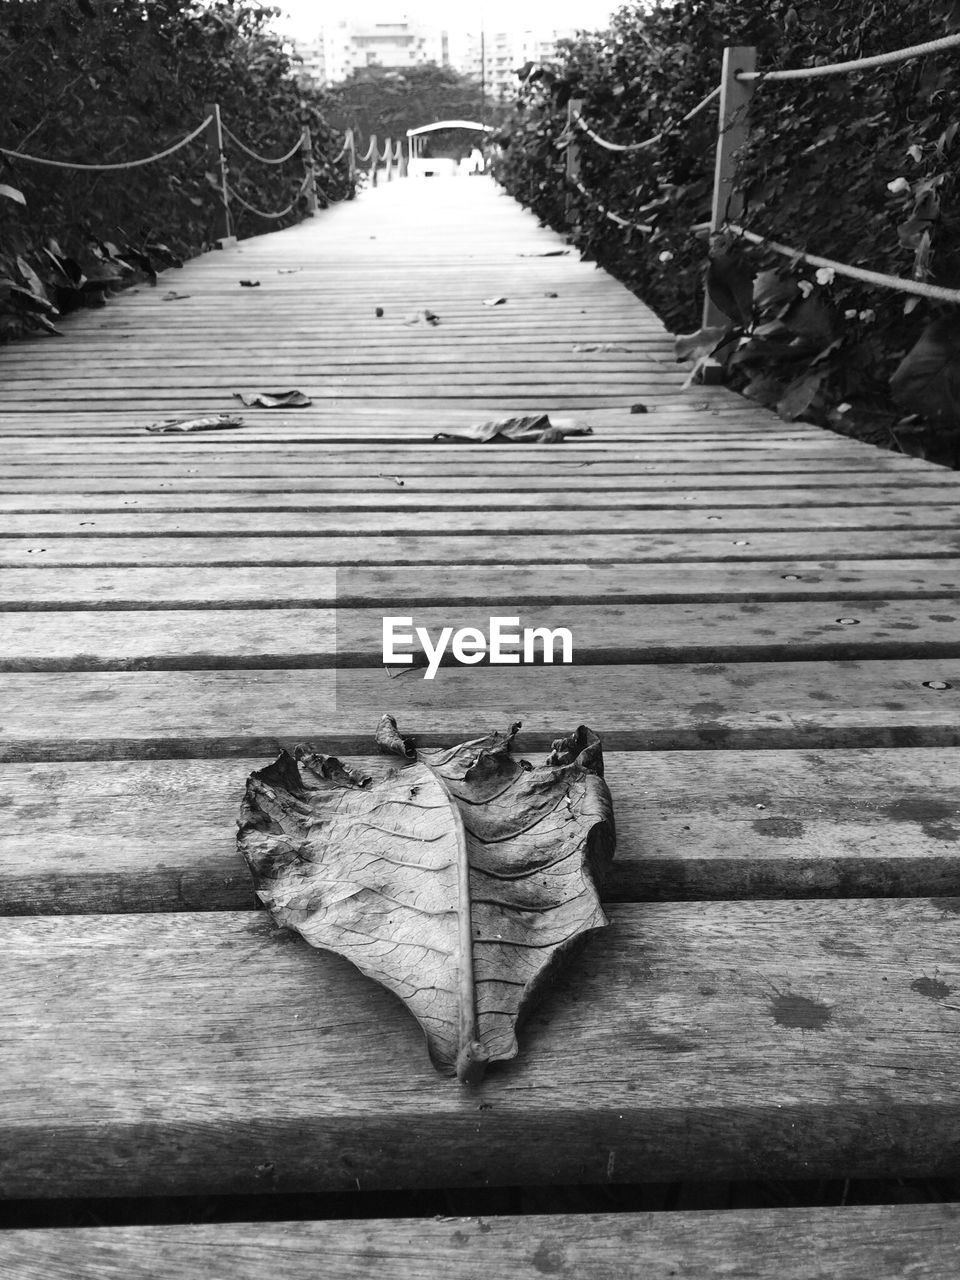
159 835
256 638
197 1052
168 623
110 715
885 1242
237 587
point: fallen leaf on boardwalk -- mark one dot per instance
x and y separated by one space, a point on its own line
396 479
532 429
378 312
638 408
425 316
250 284
287 271
494 302
274 399
212 422
458 881
550 253
602 346
550 294
173 296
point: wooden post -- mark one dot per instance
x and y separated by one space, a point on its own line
733 129
306 152
574 107
388 148
223 231
374 159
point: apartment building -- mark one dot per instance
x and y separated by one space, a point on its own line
346 46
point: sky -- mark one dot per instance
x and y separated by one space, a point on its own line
303 18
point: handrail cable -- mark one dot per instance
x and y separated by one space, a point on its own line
919 287
387 152
579 121
608 213
348 145
263 159
370 149
272 216
858 64
128 164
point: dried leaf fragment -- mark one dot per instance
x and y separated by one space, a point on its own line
274 399
458 881
529 429
211 422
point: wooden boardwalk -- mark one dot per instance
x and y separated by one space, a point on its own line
766 637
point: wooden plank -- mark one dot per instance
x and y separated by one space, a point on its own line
65 492
144 587
886 1242
155 714
190 1054
391 497
147 835
831 629
520 549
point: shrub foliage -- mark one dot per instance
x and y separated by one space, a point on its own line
104 81
860 168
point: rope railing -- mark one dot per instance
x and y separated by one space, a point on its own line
297 146
879 278
104 168
368 154
647 143
216 131
738 80
282 213
856 64
608 213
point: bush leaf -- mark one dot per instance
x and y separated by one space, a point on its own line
927 380
457 881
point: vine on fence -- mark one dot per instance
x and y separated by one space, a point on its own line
110 83
859 167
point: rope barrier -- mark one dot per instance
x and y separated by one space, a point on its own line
919 287
579 121
263 159
387 149
858 64
608 213
370 150
102 168
272 216
348 145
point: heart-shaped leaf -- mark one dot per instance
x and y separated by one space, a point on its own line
457 881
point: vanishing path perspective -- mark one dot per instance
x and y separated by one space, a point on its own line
765 626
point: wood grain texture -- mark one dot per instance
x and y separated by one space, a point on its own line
389 588
197 1053
522 548
885 1242
156 714
87 836
752 1011
192 639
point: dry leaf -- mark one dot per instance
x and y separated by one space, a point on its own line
494 302
274 399
458 881
211 422
531 429
426 316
